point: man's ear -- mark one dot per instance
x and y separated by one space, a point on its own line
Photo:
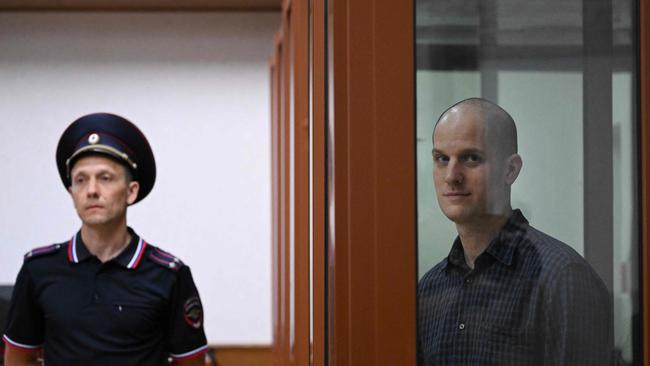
132 193
513 167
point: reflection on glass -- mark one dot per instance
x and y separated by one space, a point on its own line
534 58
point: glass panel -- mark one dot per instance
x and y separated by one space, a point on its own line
560 68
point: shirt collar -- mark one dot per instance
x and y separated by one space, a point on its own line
456 256
129 257
502 247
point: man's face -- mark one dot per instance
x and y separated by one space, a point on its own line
100 190
468 173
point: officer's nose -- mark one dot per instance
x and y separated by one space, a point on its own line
453 173
91 188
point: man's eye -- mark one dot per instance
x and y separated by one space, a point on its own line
440 159
79 180
472 158
105 178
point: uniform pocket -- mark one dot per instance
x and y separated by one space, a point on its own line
131 319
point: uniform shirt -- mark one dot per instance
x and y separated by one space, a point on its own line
530 300
137 309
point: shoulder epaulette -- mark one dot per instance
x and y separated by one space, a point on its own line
165 259
41 251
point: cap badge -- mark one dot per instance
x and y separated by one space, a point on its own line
93 139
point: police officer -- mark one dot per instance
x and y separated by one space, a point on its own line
106 296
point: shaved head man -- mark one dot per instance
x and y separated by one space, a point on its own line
507 294
476 162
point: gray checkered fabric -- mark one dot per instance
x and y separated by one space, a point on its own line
530 300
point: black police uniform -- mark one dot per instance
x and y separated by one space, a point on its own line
137 309
140 308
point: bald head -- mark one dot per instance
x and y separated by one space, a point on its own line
475 161
499 127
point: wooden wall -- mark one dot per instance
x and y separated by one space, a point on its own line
242 355
344 269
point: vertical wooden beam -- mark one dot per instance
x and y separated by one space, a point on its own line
275 197
337 189
299 16
371 178
395 198
317 118
644 160
280 294
285 191
292 259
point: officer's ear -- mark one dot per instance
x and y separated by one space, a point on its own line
132 191
513 167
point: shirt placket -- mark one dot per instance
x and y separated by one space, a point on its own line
461 326
99 276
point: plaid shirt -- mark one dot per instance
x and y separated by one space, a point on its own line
530 300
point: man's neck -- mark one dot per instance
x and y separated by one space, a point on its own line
105 241
476 236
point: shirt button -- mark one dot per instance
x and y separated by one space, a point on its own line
96 297
468 280
461 326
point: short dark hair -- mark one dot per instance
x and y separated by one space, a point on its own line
128 174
